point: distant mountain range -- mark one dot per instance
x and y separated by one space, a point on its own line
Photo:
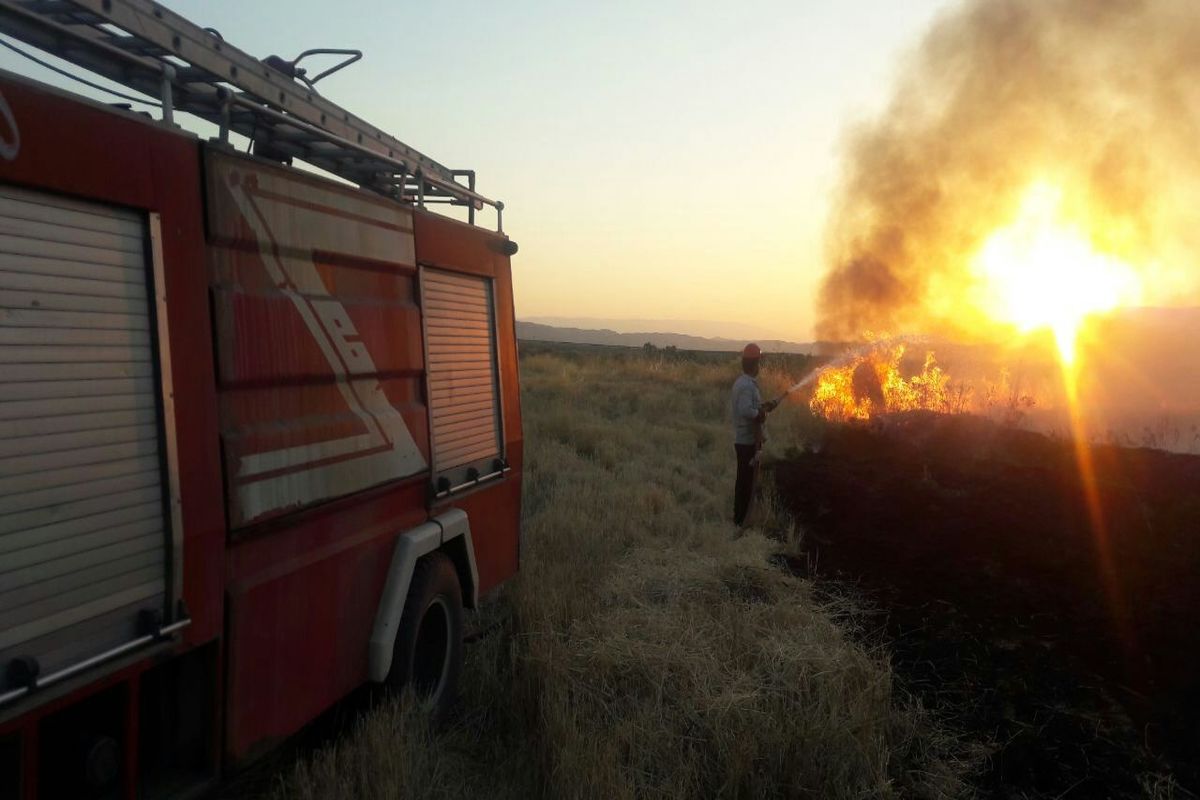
1163 337
710 328
536 332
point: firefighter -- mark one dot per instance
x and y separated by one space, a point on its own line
749 414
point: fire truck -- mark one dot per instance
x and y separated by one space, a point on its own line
260 436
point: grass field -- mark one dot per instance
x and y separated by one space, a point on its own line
646 650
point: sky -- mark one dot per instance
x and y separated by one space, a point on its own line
658 161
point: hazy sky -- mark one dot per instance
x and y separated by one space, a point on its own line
662 160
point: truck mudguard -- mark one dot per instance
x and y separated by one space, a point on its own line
410 546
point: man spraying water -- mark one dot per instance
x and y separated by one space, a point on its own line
749 415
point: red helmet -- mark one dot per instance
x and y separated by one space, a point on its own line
751 351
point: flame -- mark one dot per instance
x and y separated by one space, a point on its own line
872 383
1042 272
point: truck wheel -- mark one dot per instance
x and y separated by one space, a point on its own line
428 652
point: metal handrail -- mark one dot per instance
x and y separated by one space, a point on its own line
192 69
450 187
108 655
472 482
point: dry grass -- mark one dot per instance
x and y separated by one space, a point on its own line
646 651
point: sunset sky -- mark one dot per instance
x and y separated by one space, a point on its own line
666 160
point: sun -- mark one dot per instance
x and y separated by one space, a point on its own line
1042 272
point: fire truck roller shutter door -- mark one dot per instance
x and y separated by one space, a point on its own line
450 532
464 402
83 531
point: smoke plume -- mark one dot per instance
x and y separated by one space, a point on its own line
1100 98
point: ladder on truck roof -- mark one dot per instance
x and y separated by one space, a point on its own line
155 51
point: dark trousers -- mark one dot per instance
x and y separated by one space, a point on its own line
743 488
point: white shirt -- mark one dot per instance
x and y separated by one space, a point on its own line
746 403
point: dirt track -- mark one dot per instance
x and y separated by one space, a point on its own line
975 545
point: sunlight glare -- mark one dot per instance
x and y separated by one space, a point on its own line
1043 273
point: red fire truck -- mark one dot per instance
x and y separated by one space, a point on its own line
260 438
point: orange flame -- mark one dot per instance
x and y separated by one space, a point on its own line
873 383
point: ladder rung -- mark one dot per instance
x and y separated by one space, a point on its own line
195 75
132 44
280 133
201 106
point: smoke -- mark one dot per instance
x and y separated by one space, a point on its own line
1100 98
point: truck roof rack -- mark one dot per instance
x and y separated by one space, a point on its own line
155 51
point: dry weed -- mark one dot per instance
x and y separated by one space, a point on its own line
649 650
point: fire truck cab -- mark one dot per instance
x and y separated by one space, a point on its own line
260 436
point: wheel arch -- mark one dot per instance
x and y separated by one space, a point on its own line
449 533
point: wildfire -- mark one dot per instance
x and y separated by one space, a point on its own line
873 383
880 380
1042 272
1038 272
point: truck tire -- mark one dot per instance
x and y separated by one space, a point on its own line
428 652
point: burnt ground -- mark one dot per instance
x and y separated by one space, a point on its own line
973 546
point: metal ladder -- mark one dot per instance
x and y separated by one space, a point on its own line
153 50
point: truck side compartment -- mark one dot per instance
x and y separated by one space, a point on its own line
342 369
95 164
320 370
446 243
